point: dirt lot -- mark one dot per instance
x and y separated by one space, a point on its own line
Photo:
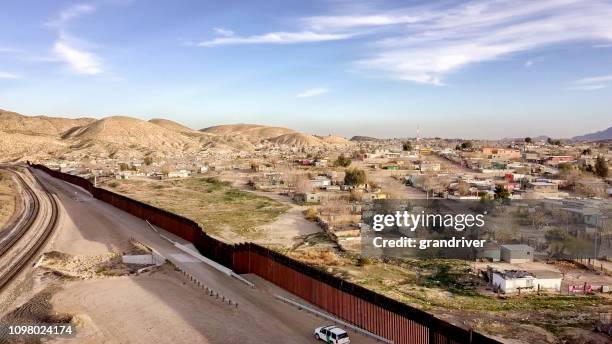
287 230
8 198
222 210
160 300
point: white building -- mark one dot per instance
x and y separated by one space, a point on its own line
179 174
517 281
320 182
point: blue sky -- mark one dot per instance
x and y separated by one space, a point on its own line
474 69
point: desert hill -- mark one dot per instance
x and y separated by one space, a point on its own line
31 137
255 133
334 140
172 125
122 130
249 131
364 139
12 122
297 139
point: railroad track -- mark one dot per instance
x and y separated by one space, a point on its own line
40 240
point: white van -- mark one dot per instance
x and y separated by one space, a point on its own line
332 334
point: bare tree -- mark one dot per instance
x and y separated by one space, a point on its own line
463 188
302 183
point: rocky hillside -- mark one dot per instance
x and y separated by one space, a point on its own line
34 137
275 135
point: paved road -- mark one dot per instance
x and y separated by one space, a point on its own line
89 227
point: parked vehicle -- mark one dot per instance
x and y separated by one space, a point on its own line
332 334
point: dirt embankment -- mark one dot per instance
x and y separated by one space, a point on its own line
8 198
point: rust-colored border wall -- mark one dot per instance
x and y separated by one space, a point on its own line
374 312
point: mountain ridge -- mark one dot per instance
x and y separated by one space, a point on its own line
605 134
29 137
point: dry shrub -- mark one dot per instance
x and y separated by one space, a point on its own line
311 214
318 257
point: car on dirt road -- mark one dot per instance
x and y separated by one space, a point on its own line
332 334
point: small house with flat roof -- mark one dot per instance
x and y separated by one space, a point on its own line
516 254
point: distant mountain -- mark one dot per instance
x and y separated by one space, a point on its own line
253 132
597 136
521 139
280 136
364 138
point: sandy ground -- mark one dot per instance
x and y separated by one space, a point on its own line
288 228
161 306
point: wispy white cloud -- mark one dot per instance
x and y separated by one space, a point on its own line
70 50
312 92
8 75
82 62
223 32
340 22
591 83
71 13
428 50
424 43
276 38
529 63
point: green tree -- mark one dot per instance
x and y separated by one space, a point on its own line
124 167
466 145
148 160
586 151
355 176
601 167
343 161
407 146
501 192
565 167
528 139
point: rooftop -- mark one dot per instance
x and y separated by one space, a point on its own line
518 247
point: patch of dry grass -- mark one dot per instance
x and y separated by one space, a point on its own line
220 209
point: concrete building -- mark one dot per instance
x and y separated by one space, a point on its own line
517 281
179 174
500 153
320 182
544 187
516 254
426 166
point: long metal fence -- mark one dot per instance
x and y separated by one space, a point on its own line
362 307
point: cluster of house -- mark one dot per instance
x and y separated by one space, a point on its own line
494 159
395 159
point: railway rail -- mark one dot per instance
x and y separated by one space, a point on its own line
30 217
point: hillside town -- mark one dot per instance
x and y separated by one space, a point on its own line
334 182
